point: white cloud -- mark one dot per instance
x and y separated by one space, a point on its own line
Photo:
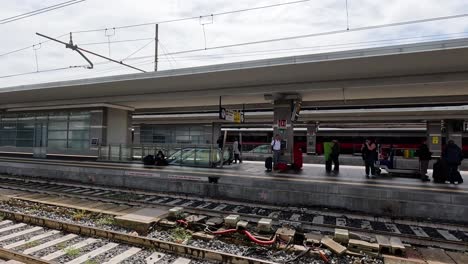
283 21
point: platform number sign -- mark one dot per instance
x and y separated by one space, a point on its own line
282 124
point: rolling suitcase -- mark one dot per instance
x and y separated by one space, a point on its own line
282 167
269 163
149 160
298 160
440 171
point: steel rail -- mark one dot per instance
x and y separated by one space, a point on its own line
12 255
178 249
412 239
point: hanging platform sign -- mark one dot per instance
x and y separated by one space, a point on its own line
231 115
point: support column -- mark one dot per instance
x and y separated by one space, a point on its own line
434 137
311 138
136 134
119 125
454 131
215 132
282 112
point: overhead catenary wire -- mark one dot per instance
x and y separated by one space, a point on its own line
138 50
41 71
193 17
168 60
115 41
31 46
324 33
39 11
167 52
241 54
160 22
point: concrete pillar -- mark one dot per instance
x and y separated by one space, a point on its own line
311 138
434 137
454 131
282 112
119 125
136 134
215 132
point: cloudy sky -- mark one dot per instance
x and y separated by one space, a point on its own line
302 18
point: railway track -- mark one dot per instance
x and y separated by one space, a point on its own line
419 233
31 239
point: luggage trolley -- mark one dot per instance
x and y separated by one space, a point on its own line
387 161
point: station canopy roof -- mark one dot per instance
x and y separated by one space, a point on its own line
395 75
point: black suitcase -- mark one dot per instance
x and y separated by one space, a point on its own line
149 160
440 171
269 163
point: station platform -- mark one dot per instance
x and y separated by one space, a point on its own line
311 187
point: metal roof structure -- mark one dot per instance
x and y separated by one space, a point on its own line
403 74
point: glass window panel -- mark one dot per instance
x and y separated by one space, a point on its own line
79 115
196 133
8 134
24 143
57 135
58 116
78 144
56 143
58 125
7 142
25 134
8 125
182 138
81 135
79 125
26 125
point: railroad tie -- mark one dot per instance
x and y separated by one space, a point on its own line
32 239
93 253
123 256
49 244
62 252
155 257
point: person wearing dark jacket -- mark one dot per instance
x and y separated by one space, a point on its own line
220 142
369 155
334 156
453 156
424 157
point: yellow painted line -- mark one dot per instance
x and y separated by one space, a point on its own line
279 177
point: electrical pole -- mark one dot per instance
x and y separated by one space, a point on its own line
156 40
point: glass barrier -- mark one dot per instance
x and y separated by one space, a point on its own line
182 155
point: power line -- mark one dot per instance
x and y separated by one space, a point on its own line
29 47
116 41
194 17
324 33
168 60
42 71
39 11
138 50
359 43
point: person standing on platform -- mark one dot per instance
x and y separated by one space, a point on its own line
424 157
369 155
220 142
236 150
453 156
334 156
276 148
